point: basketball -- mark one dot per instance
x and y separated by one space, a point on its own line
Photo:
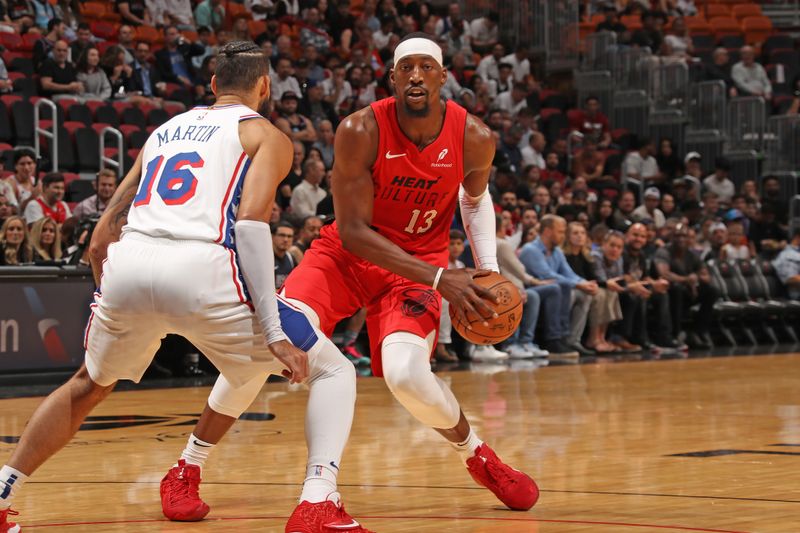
508 309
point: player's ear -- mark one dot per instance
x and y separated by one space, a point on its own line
214 84
266 87
391 76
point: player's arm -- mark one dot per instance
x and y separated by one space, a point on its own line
270 153
110 225
477 210
355 149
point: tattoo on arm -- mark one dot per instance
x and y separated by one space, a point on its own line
120 208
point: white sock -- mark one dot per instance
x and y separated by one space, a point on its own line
11 481
196 451
467 448
320 483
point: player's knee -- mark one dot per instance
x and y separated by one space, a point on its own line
82 385
407 380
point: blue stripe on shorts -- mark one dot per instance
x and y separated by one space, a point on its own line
297 327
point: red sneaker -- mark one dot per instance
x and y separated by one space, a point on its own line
180 497
5 525
512 487
323 517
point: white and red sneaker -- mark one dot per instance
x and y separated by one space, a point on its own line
512 487
180 494
322 517
5 525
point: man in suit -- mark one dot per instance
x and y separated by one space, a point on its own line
173 62
145 79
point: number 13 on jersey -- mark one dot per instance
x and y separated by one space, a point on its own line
424 224
176 184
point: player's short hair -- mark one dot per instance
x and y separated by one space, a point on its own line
239 66
457 235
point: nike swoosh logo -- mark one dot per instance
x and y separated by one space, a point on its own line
390 155
353 524
334 465
201 445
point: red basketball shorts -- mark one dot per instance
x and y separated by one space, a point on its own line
336 284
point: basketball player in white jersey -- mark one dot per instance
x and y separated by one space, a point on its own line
194 258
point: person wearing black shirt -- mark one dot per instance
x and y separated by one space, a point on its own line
720 69
767 235
612 24
43 48
650 35
282 237
58 76
690 284
134 12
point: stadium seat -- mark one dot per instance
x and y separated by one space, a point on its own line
128 130
134 115
699 27
756 29
66 151
21 64
717 10
21 113
137 139
556 101
107 113
257 27
100 126
71 126
703 40
92 10
11 41
774 311
28 41
785 56
776 42
133 153
190 35
632 22
173 108
148 34
79 189
6 131
732 42
728 314
722 26
87 146
740 11
80 113
104 29
25 87
157 117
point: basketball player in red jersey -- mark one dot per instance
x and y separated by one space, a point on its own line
401 166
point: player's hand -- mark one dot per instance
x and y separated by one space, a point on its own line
457 287
295 359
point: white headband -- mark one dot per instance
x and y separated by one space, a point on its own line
418 46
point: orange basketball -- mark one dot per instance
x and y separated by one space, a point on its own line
508 309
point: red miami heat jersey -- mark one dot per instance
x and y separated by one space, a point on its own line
416 190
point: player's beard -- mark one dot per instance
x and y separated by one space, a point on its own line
422 112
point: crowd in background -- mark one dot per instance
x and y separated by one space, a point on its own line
600 269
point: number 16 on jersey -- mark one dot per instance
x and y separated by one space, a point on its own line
176 184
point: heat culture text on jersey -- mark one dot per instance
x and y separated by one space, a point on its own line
413 190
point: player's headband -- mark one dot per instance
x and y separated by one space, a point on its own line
418 46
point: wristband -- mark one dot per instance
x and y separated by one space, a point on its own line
437 278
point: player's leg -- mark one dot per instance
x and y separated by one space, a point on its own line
406 367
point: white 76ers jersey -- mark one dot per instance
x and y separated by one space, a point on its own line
193 169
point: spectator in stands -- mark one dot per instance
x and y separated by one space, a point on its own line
260 9
588 163
204 36
650 35
443 352
512 101
771 192
484 32
308 194
488 68
240 31
117 70
282 239
545 260
504 81
145 79
337 90
509 147
202 89
6 207
766 234
174 61
720 183
177 12
134 12
21 184
294 177
577 250
105 184
611 23
125 41
382 36
720 69
51 202
6 85
82 43
455 42
282 79
551 170
649 209
534 293
521 66
787 265
690 284
296 126
315 107
43 48
750 77
95 82
641 288
309 232
668 161
623 214
592 122
314 32
454 16
45 240
14 242
211 14
640 164
605 309
532 153
679 43
324 142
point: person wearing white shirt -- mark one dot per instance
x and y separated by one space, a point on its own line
485 32
443 25
749 76
259 8
640 164
519 62
337 89
649 209
719 182
282 80
488 66
512 101
532 154
308 193
381 37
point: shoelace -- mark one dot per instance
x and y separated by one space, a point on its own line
182 488
498 471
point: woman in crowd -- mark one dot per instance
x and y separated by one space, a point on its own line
14 242
678 44
118 72
45 240
605 213
202 88
668 161
577 250
95 82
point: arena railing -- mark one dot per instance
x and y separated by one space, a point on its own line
50 133
111 162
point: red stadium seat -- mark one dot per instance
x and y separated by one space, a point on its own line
722 26
104 29
717 10
11 41
741 11
72 126
28 41
756 29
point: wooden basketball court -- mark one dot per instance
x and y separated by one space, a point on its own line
688 445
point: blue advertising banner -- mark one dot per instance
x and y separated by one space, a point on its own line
42 319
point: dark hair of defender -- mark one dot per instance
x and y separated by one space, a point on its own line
239 66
